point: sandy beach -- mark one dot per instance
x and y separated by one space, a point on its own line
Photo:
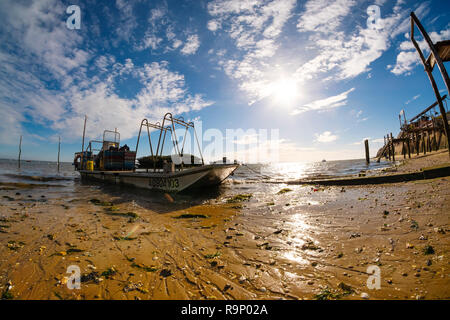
285 242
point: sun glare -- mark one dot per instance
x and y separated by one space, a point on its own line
285 92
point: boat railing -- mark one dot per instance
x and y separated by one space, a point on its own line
157 126
180 121
116 134
163 129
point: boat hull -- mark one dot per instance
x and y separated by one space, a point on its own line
197 177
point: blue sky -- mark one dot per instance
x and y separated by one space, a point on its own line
312 69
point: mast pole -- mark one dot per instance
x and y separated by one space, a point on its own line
84 132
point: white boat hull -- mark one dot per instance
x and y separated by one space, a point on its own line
177 181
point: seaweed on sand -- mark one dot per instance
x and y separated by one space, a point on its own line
7 295
428 250
239 198
327 294
144 267
14 246
109 273
100 203
284 190
213 255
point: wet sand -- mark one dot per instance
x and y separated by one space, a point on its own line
303 243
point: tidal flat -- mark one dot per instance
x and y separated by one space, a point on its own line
282 242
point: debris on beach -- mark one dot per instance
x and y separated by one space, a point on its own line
134 286
309 245
93 276
327 294
346 288
165 273
213 255
14 246
428 250
144 267
239 198
98 202
109 273
284 190
7 295
365 295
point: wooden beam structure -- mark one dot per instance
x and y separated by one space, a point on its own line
429 63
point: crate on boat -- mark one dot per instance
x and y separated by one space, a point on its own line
113 160
129 160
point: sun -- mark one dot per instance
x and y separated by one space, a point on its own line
285 91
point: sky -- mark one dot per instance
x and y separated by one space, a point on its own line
318 76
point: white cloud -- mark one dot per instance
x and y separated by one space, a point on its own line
45 78
324 15
412 99
150 41
157 14
191 46
406 61
177 43
161 88
126 23
358 115
408 57
371 141
254 26
361 141
213 25
324 104
344 55
325 137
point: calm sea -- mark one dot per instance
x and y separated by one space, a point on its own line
45 172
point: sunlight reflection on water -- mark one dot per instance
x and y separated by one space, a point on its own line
298 227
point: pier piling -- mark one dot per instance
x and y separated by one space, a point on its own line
393 148
59 149
20 151
366 145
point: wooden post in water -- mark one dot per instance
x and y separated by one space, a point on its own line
20 151
366 145
393 148
59 149
388 147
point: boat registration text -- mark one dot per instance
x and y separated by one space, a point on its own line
164 183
